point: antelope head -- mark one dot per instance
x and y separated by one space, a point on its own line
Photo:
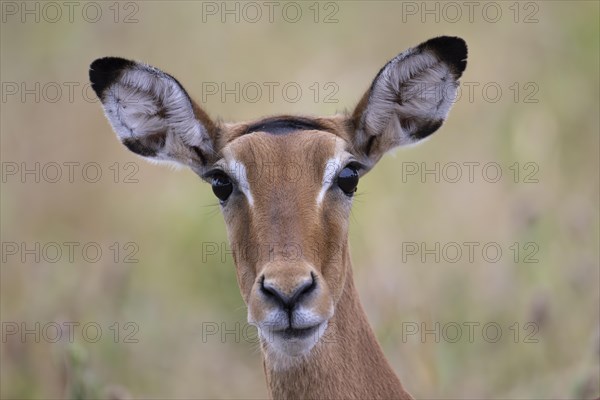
285 184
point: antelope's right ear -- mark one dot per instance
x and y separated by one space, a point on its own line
152 114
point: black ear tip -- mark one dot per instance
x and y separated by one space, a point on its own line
450 49
105 71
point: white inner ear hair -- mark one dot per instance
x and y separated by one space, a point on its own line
413 86
145 101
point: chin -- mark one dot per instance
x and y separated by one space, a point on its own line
289 347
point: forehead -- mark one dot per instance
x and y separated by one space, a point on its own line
281 141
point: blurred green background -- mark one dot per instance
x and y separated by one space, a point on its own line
544 56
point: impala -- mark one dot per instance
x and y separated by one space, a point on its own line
315 338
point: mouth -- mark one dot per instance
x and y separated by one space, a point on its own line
294 342
297 333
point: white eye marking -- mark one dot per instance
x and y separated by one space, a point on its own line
332 168
238 171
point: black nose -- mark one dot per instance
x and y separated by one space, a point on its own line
288 301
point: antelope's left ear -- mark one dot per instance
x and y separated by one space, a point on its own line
409 98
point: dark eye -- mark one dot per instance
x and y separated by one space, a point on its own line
221 186
348 180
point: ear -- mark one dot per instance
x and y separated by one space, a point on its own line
409 98
152 114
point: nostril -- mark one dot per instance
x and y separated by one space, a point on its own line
308 286
304 290
271 292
